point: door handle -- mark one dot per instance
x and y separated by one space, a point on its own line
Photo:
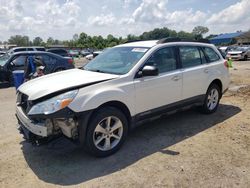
206 70
176 78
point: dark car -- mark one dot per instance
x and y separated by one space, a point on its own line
59 51
16 61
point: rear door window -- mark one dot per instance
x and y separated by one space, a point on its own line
190 56
49 62
211 54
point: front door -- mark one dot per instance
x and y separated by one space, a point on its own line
155 92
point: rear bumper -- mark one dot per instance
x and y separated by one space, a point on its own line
36 128
235 57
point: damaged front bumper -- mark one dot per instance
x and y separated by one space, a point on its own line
38 129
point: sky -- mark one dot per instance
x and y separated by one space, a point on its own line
61 19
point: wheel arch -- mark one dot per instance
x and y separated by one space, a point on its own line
119 105
218 83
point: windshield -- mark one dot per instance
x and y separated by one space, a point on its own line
4 59
118 60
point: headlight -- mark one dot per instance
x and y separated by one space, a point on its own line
54 104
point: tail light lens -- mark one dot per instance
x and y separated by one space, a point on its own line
70 61
226 64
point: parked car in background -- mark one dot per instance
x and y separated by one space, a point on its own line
29 48
73 53
93 55
122 87
59 51
96 53
239 53
85 53
16 61
89 57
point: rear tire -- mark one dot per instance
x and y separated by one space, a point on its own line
212 99
106 132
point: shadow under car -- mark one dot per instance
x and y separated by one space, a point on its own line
63 163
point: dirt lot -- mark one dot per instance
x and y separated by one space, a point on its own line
187 149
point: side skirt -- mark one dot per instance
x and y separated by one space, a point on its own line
169 109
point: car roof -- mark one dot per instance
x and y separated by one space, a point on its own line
148 44
152 43
24 47
35 52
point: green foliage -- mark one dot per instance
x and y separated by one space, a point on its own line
19 40
83 40
38 41
198 31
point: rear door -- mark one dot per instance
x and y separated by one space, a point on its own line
155 92
195 71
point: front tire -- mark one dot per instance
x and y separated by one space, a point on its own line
106 132
212 99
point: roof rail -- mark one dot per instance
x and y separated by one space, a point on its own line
177 39
128 41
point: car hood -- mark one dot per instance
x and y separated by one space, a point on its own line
235 52
61 81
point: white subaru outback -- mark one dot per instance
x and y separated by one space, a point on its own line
125 85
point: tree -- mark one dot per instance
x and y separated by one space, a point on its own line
50 41
37 41
198 31
75 37
19 40
83 40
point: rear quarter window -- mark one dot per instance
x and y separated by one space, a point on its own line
211 54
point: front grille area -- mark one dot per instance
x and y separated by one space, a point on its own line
22 100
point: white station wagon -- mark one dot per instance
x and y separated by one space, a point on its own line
125 85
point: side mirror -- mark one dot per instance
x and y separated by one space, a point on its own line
148 70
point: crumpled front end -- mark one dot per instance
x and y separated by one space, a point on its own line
36 128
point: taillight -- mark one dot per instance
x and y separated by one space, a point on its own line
70 61
226 64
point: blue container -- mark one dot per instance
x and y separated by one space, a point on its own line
18 76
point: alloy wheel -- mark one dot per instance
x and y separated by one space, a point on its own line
108 133
212 99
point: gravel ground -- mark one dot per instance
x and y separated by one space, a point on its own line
187 149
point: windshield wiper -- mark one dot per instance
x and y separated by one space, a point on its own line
96 70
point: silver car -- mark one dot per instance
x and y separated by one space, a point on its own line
239 53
